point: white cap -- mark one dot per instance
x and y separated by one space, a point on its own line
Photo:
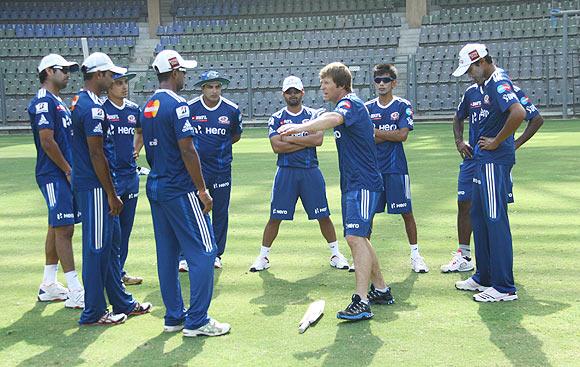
98 61
56 60
168 60
469 54
292 82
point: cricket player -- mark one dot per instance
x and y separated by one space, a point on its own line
500 115
469 108
217 125
392 117
179 201
50 120
98 200
123 117
297 176
360 182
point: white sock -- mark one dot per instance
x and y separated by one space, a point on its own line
465 250
383 290
50 273
333 246
72 280
264 251
414 250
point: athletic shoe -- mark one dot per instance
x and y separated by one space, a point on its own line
172 328
458 263
76 299
339 262
493 295
110 319
469 285
183 267
351 269
217 263
261 263
418 264
131 280
141 309
54 292
356 310
212 328
382 298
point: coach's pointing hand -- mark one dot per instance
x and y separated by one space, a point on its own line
115 204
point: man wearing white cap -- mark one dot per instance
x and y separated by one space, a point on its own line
494 154
51 126
98 200
179 201
298 176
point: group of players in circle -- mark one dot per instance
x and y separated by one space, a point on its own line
86 170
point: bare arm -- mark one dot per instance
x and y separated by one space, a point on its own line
280 146
396 136
325 121
137 142
51 149
101 167
307 141
513 121
236 138
193 166
531 129
464 149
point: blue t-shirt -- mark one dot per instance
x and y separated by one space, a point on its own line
398 114
498 96
165 120
88 119
355 142
47 111
213 131
123 121
303 158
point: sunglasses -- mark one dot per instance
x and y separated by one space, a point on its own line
385 80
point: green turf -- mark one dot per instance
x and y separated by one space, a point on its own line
431 324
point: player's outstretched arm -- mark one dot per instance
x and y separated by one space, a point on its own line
101 167
513 121
399 135
51 149
279 145
325 121
531 129
306 141
193 166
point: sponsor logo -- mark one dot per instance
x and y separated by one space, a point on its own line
398 205
524 100
42 121
74 102
125 130
409 111
200 118
66 121
388 127
132 119
173 62
151 109
65 216
342 111
215 131
352 225
98 114
473 55
346 104
509 96
483 113
460 192
186 127
41 107
531 108
320 210
504 87
486 99
182 112
153 143
376 116
113 118
279 211
337 134
221 185
61 108
475 104
224 120
133 195
394 116
98 129
475 180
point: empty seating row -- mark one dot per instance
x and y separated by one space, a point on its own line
73 10
36 30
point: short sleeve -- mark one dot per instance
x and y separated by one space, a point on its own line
406 116
94 121
44 114
345 109
504 94
273 125
181 123
138 118
237 123
531 110
462 111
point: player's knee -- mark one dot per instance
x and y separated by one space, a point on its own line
463 207
64 232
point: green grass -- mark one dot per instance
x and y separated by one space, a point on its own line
431 324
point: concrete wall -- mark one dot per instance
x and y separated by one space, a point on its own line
415 11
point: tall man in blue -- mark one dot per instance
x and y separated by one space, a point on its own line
500 115
98 200
123 116
469 108
50 120
179 201
392 117
298 175
360 182
217 124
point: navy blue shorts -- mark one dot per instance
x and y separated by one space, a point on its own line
396 197
62 208
358 209
292 183
465 181
127 187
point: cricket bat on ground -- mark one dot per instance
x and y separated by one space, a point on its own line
314 312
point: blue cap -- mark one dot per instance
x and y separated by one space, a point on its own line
129 76
210 76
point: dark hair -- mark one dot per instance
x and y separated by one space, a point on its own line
339 74
163 77
385 69
42 76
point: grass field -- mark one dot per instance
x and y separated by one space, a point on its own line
431 324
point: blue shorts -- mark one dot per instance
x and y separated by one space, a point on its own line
465 181
291 183
62 208
127 187
397 194
358 209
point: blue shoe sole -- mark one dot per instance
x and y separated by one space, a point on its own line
362 316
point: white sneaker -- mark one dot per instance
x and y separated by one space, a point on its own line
52 292
457 263
339 262
217 263
493 295
418 264
76 299
261 263
172 328
469 285
183 267
212 328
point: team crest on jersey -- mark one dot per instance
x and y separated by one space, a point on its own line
41 107
504 87
200 118
132 119
524 100
182 112
151 109
475 104
113 118
486 99
394 116
74 102
224 120
98 114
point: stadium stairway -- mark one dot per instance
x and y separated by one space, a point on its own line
408 43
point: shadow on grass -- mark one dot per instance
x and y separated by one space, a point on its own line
504 321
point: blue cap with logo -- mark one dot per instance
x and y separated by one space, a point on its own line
211 76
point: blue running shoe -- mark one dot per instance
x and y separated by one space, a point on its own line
357 310
377 297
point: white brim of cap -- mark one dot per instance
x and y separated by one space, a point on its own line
292 86
188 64
461 70
118 70
74 66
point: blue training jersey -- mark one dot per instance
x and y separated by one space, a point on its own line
303 158
165 120
47 111
498 96
398 114
88 119
355 142
213 131
123 121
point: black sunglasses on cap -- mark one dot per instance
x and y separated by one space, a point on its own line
385 80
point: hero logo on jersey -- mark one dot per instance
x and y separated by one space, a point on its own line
132 119
394 116
151 109
41 107
113 118
475 104
98 114
200 118
182 112
224 120
504 87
